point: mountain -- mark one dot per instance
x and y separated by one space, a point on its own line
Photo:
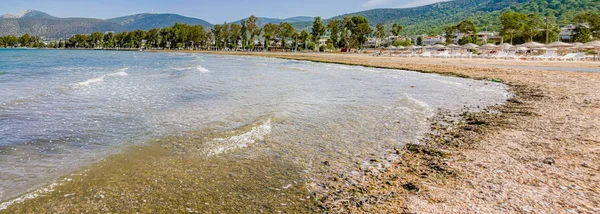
41 24
146 21
28 14
263 20
432 18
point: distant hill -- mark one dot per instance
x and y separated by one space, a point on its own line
428 19
432 18
263 20
42 24
146 21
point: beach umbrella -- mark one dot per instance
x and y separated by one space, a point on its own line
559 45
522 49
391 47
438 46
412 47
581 47
470 46
453 46
595 45
505 46
400 47
488 46
531 45
577 44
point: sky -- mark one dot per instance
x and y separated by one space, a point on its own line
214 11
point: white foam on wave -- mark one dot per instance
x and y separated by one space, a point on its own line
418 106
202 69
90 81
31 195
120 73
257 133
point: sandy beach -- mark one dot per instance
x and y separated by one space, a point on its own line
537 153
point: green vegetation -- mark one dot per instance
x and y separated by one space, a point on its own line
351 32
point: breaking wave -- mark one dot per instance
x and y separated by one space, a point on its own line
120 73
222 145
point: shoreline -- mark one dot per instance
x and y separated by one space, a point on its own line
541 147
446 153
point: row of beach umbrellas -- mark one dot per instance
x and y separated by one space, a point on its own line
506 46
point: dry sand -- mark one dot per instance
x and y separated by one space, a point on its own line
540 155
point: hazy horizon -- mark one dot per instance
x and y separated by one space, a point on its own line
211 11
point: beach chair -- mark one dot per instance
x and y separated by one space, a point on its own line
500 55
511 55
579 56
426 54
569 56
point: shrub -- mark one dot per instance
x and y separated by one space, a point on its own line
311 46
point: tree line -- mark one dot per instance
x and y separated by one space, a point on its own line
520 27
350 32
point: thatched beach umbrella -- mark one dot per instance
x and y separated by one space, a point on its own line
453 46
522 49
595 45
470 46
505 46
438 46
531 45
559 45
576 44
488 46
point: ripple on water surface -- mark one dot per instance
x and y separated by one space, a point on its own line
267 120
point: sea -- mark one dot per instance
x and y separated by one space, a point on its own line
62 110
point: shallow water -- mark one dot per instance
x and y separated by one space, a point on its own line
60 110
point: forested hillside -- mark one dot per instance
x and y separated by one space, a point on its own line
147 21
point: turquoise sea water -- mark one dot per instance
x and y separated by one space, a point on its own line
60 109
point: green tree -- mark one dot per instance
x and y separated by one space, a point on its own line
25 40
108 40
244 35
581 34
153 38
592 19
235 35
95 40
78 41
512 24
532 26
253 28
449 34
318 29
360 30
380 33
396 29
334 32
304 37
167 36
286 30
420 40
270 31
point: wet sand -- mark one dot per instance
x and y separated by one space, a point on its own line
538 153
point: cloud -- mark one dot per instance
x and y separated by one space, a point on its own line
374 3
